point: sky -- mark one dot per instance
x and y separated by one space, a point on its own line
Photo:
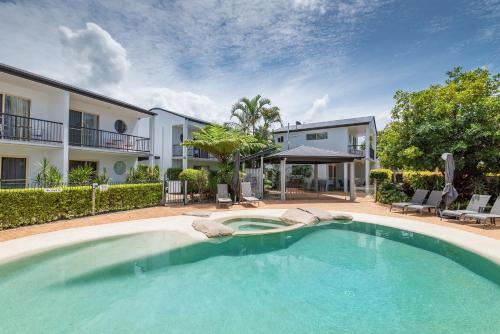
317 60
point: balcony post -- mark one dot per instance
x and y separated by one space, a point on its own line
346 166
367 159
65 137
185 128
152 141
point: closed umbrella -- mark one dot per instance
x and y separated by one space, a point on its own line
236 174
449 191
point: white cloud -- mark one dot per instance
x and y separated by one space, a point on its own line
318 106
313 5
98 59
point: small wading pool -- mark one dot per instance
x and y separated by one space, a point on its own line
331 278
254 224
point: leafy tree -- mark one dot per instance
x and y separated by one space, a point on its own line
462 117
255 116
222 142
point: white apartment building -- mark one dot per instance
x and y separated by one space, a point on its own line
356 136
44 118
169 130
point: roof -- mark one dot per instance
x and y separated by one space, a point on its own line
73 89
328 124
194 119
311 155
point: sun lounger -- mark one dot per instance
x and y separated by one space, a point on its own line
433 202
492 215
247 195
223 195
476 204
418 198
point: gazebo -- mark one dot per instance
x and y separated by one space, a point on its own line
306 155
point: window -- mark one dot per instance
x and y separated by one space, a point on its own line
120 126
80 163
13 173
280 139
14 116
82 128
317 136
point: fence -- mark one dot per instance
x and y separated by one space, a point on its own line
185 192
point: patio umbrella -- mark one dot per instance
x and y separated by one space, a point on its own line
236 174
449 190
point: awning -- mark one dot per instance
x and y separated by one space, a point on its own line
311 155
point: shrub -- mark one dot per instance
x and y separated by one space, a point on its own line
388 193
381 175
143 174
173 173
423 180
34 206
302 170
197 179
48 175
81 175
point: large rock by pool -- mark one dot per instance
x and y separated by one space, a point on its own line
297 216
212 229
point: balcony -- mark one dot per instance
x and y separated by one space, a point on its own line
87 137
359 150
13 127
191 152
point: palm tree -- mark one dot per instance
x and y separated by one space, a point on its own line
250 112
270 116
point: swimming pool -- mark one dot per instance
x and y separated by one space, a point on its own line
355 278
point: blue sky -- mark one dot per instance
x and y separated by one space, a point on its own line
316 59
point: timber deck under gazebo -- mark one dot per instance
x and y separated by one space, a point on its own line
305 155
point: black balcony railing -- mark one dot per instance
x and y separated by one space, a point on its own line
191 152
360 151
107 140
22 128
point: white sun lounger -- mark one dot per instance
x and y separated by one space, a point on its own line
492 215
433 202
247 195
476 204
222 196
418 198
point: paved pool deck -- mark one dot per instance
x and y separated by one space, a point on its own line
361 205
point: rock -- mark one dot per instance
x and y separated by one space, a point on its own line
198 213
212 229
320 214
296 216
341 216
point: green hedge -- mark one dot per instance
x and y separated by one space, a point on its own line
173 173
22 207
388 193
381 175
423 180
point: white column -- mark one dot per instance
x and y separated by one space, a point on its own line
185 132
65 139
316 177
283 179
352 184
152 141
346 166
367 159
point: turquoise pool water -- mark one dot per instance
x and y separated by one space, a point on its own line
355 278
254 224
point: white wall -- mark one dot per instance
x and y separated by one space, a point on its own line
105 161
338 139
33 155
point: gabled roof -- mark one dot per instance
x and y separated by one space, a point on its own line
194 119
70 88
311 155
328 124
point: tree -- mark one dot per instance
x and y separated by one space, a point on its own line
255 116
461 117
222 142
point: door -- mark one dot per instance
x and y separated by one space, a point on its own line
75 127
16 119
13 173
90 124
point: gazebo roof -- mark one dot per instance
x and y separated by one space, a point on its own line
311 155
